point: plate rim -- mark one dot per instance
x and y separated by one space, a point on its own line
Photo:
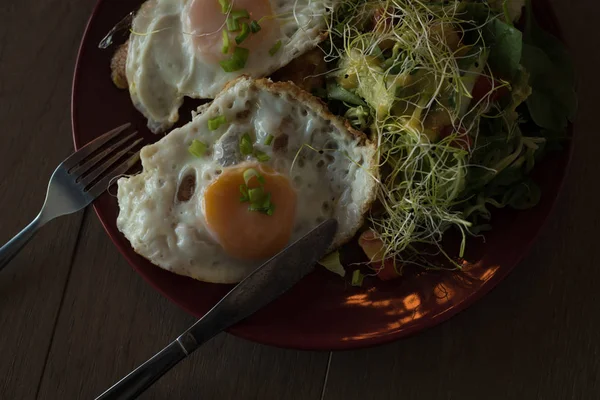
325 345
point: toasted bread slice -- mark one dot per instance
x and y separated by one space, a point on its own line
117 66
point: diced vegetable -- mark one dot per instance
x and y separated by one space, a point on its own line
224 6
357 278
254 27
225 47
261 156
275 48
197 148
216 122
243 34
237 60
232 24
374 249
239 14
246 146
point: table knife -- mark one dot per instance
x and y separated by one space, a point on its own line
262 286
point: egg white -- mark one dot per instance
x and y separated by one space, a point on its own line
332 168
163 65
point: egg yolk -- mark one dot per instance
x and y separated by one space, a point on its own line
245 234
206 21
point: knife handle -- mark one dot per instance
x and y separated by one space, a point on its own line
146 374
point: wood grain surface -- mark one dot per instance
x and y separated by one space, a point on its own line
74 316
38 45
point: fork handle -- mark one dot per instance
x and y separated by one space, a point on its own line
14 245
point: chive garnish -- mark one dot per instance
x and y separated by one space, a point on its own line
216 122
225 47
261 156
246 144
197 148
275 48
244 194
357 278
256 196
252 173
224 6
237 14
254 26
232 24
243 34
237 61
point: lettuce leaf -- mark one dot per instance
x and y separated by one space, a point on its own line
505 42
553 102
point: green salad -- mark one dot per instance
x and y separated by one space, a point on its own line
462 98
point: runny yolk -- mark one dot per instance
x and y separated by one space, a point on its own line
206 20
245 234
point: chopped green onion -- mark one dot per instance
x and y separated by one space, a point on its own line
262 204
256 195
252 173
267 201
232 24
254 26
268 207
224 6
243 34
237 61
275 48
357 278
258 199
216 122
245 144
237 14
269 140
225 47
197 148
261 156
269 210
244 191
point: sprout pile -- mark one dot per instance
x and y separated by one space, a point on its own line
461 103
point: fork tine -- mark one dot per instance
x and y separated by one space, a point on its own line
83 168
104 183
107 164
89 148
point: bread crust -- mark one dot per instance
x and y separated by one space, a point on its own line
118 63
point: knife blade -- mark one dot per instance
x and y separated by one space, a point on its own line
262 286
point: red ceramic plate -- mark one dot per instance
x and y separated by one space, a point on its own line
321 312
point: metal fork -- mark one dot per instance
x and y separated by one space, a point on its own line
78 181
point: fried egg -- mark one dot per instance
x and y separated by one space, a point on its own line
188 210
177 47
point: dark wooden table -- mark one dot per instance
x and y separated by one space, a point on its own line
74 317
